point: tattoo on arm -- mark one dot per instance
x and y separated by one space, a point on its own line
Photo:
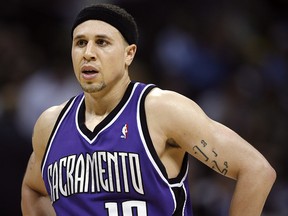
223 171
214 153
200 150
203 143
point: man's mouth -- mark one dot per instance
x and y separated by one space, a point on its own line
89 71
89 74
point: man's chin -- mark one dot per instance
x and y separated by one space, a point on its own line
93 88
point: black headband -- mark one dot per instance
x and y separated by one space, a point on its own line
112 14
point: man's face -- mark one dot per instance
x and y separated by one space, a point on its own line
99 55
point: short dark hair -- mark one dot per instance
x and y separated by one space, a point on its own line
112 14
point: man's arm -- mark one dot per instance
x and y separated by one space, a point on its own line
35 199
217 146
234 157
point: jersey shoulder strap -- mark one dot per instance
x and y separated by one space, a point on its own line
61 114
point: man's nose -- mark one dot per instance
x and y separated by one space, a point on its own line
90 52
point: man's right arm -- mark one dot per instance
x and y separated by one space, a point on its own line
35 199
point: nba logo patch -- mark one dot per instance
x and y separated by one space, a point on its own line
124 131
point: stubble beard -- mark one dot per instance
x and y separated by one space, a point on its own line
93 88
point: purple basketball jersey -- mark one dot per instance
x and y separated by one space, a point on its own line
113 170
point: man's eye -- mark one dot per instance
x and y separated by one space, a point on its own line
81 43
101 42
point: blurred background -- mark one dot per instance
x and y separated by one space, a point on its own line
231 57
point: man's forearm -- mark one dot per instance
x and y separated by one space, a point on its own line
34 203
251 192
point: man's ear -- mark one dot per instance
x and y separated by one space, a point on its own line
130 52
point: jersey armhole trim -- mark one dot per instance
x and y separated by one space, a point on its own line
146 134
184 168
67 105
183 171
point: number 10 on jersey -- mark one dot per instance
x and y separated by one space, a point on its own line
128 208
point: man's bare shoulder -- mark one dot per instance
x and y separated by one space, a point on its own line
168 110
49 116
168 100
44 126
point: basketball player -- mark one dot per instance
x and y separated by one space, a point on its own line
121 147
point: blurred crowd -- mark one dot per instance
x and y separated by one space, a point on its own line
231 57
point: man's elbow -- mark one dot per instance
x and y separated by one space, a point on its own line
267 174
271 173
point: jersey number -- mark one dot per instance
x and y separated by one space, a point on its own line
129 208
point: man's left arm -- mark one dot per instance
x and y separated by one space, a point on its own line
220 148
